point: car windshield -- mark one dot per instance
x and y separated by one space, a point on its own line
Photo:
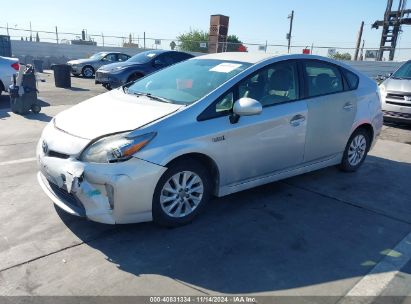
404 72
98 56
188 81
143 57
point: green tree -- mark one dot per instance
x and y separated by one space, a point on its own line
341 56
190 42
234 44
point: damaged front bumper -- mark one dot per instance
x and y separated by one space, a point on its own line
105 193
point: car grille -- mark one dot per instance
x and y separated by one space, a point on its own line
56 154
63 195
397 114
398 99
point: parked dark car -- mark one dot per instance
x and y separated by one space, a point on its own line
116 74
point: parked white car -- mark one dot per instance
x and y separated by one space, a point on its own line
8 67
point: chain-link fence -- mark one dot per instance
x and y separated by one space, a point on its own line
146 41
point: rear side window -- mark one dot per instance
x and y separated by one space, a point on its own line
352 79
322 78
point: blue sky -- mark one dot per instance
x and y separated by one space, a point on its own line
322 22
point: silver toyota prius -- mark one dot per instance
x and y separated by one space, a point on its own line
159 148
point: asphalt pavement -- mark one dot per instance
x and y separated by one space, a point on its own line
325 233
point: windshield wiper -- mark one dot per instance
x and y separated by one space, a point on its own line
153 97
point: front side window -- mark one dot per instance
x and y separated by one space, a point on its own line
123 57
322 78
111 57
188 81
274 84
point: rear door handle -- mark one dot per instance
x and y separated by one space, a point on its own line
348 106
297 120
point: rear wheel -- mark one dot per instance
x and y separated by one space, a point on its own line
87 71
356 150
181 193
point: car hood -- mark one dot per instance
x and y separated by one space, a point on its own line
81 61
111 112
398 85
113 66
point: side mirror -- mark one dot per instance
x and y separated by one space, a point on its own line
389 75
247 107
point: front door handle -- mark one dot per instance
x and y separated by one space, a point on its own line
297 120
348 106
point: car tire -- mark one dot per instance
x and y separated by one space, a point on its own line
356 150
75 74
87 71
181 193
107 86
134 77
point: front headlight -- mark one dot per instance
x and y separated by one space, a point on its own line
115 148
382 89
118 69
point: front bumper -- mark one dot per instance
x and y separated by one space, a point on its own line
108 78
400 113
76 69
105 193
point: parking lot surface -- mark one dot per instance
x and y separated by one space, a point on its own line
323 233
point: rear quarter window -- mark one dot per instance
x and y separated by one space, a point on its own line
352 79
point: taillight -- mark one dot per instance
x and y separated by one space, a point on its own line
15 66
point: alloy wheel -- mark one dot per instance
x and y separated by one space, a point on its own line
357 150
181 194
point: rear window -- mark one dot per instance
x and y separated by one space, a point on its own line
352 79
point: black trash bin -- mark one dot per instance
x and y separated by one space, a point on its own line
38 65
62 78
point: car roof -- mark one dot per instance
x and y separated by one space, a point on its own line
239 56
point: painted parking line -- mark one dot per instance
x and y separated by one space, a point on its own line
18 161
373 284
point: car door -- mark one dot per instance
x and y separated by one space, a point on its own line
258 145
331 110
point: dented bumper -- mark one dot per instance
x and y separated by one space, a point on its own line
105 193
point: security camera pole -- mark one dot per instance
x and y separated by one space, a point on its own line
291 17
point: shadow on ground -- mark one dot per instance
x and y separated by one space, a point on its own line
270 238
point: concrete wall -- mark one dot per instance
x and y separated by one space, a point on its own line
51 53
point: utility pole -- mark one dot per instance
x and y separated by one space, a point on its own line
102 37
291 17
31 34
8 29
144 40
357 48
362 51
57 36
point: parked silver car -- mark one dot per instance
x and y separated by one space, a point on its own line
88 67
158 148
396 95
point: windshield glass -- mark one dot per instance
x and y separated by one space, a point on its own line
403 72
98 56
188 81
143 57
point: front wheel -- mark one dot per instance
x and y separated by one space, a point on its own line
181 193
356 151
